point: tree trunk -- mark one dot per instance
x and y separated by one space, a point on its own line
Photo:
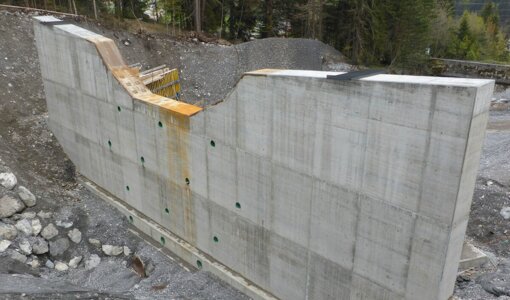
75 10
314 19
198 19
156 12
269 18
95 8
202 13
118 9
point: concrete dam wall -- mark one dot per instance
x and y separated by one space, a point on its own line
296 186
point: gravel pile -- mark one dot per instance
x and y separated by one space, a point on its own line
41 239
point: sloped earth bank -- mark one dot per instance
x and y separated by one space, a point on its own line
208 72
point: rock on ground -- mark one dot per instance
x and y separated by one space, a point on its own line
4 244
92 262
505 212
59 246
8 180
18 256
39 246
36 226
9 206
25 246
74 262
28 215
64 224
35 263
95 242
26 196
60 266
49 264
24 226
49 232
112 250
74 235
44 215
7 231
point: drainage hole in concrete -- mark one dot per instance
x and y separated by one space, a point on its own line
213 144
187 181
162 240
131 219
167 210
199 264
142 159
238 205
127 188
160 124
215 239
118 108
109 143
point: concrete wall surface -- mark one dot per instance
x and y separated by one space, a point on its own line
308 187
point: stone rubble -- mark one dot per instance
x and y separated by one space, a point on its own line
111 250
9 206
49 264
34 263
40 246
25 247
8 180
59 246
74 262
505 212
93 261
26 196
28 215
7 231
64 224
60 266
44 215
24 226
95 242
31 237
74 235
36 226
49 232
18 256
4 244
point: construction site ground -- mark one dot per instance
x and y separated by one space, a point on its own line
208 72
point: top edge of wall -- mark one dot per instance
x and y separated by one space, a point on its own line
126 76
389 78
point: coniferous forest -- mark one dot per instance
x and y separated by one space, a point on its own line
401 33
